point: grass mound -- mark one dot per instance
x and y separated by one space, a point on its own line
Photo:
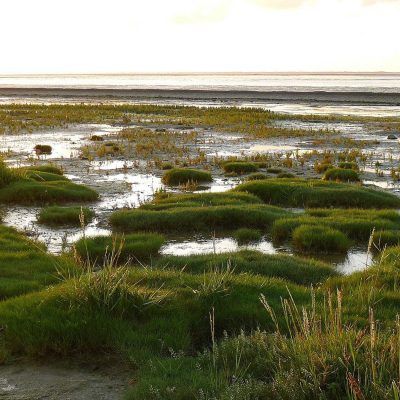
187 219
316 239
348 165
69 216
168 200
133 247
25 265
29 186
316 193
356 224
245 235
50 168
181 176
240 167
302 271
257 176
341 175
7 175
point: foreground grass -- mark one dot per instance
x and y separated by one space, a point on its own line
25 265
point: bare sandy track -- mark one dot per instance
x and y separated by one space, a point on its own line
54 382
328 97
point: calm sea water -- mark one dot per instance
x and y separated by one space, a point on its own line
376 83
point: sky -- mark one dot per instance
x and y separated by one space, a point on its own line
122 36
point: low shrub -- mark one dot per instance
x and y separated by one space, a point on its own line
317 239
246 235
239 167
73 216
181 176
341 175
134 247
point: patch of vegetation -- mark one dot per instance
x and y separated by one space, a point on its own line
317 239
385 238
257 176
181 176
316 193
286 175
119 249
322 167
356 224
49 168
341 175
65 216
25 265
240 167
273 170
246 235
187 219
303 271
43 149
29 187
348 165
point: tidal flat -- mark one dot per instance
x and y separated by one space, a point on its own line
177 240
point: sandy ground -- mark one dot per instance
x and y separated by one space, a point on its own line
56 381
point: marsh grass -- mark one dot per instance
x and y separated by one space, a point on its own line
187 219
246 235
65 216
318 193
342 175
131 248
240 167
181 176
318 239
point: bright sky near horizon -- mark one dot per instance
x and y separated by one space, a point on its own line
95 36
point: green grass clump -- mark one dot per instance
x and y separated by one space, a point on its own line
140 246
286 175
341 175
167 200
25 265
385 238
27 192
257 176
302 271
348 165
181 176
317 239
50 168
42 176
239 167
273 170
43 149
246 235
322 167
356 224
68 216
7 175
318 193
187 219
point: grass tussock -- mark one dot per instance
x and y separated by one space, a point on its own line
65 216
342 175
129 248
240 168
318 239
316 193
188 219
246 235
182 176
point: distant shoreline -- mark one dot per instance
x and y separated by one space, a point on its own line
327 97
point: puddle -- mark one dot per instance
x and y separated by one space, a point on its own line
355 260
